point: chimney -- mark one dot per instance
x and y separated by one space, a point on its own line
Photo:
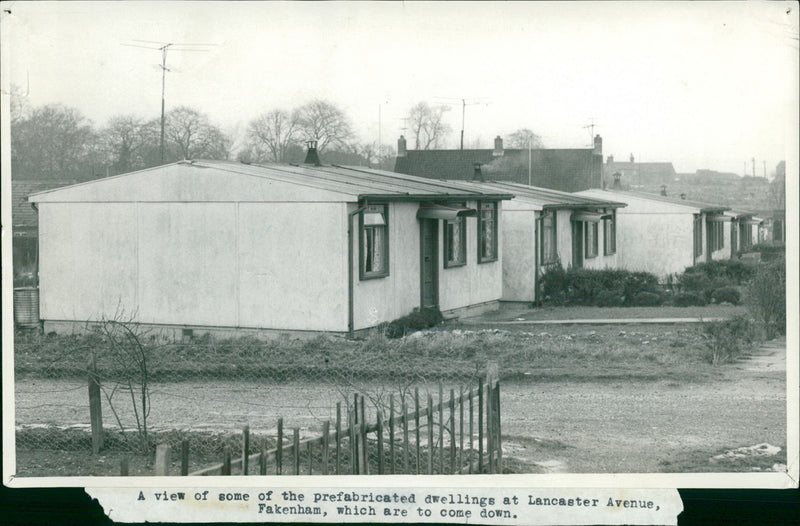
598 145
610 159
498 147
401 147
617 184
312 157
664 190
478 175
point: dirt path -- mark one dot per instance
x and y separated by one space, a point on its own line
602 426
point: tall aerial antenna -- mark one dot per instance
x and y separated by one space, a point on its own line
590 127
163 47
464 103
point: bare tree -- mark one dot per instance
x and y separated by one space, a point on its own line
326 123
18 102
427 125
53 141
272 134
124 140
520 138
190 135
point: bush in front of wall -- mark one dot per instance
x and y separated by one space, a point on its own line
732 271
766 298
646 299
726 295
416 321
604 288
726 340
689 299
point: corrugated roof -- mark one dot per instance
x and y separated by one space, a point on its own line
352 182
546 197
561 169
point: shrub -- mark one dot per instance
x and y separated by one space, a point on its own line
726 340
694 281
726 295
608 298
688 299
766 298
733 271
769 252
646 299
416 321
609 287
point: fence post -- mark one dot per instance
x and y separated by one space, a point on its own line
95 407
391 434
416 428
262 463
480 425
499 427
461 429
471 430
364 449
184 457
430 434
441 428
404 409
123 467
338 436
226 461
351 425
296 450
245 449
279 450
380 443
452 431
326 436
162 459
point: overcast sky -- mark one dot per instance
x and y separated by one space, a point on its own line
704 85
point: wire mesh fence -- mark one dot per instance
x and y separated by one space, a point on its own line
148 389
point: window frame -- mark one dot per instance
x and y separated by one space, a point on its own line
363 273
610 241
494 207
698 235
590 249
545 261
461 221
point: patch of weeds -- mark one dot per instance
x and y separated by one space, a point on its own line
726 340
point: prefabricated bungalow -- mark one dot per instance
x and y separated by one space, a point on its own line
743 231
218 246
544 228
664 235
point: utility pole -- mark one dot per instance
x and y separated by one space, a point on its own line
765 169
754 166
163 47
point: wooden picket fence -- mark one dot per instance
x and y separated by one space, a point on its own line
460 434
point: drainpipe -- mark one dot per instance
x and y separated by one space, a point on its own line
350 254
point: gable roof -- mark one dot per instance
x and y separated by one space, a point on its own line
23 216
560 169
219 181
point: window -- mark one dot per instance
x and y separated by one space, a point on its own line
698 236
610 234
746 235
716 237
374 246
591 230
455 241
549 238
487 232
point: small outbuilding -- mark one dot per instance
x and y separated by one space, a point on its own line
218 245
664 235
544 229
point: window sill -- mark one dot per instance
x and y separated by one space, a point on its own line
486 260
365 277
455 265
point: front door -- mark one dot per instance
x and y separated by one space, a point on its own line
577 244
429 262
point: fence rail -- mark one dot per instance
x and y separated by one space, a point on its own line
457 434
